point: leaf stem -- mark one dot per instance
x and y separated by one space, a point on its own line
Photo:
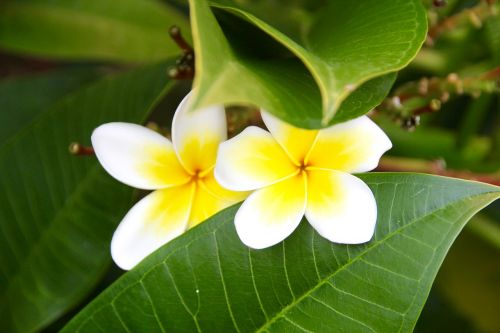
436 167
184 66
474 16
427 95
77 149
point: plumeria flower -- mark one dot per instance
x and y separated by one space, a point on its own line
298 172
181 173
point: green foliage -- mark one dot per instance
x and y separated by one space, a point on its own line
23 100
340 46
311 63
474 291
206 280
493 37
58 211
124 31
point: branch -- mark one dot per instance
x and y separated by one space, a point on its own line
437 167
184 66
474 16
427 95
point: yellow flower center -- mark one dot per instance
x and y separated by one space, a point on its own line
303 166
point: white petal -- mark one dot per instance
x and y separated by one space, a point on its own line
340 207
354 146
197 134
271 214
295 141
251 160
210 198
137 156
152 222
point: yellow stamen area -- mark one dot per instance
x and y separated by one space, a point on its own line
297 142
325 191
170 207
199 197
199 153
341 151
162 166
210 197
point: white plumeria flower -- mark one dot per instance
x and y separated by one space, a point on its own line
181 173
298 172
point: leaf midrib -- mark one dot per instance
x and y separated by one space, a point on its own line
7 146
311 61
46 231
297 300
57 107
359 256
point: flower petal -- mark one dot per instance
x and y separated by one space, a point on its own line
217 190
353 146
210 198
295 141
340 207
137 156
152 222
271 214
252 160
196 135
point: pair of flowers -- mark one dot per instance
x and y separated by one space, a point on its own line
284 174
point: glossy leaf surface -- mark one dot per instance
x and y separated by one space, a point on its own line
125 30
340 47
208 281
58 211
24 99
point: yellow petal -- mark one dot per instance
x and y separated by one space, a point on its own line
217 190
295 141
353 146
197 134
271 214
152 222
340 207
252 160
137 156
210 198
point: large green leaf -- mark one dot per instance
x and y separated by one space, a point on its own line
207 280
492 33
473 291
125 30
24 99
341 46
58 211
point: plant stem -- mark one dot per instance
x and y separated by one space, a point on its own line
77 149
474 16
436 167
426 95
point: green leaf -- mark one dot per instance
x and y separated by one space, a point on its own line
24 99
492 34
125 30
58 211
342 45
207 280
473 291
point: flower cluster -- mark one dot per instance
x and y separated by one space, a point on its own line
292 172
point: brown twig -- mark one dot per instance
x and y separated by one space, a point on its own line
77 149
436 167
176 35
184 66
239 117
475 16
427 95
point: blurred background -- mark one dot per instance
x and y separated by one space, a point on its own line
442 115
